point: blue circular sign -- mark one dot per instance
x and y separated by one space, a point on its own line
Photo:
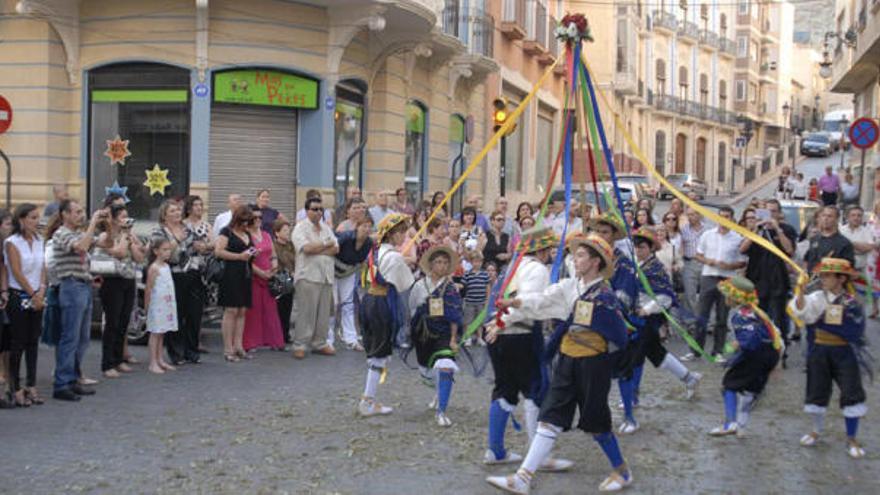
329 103
864 133
201 90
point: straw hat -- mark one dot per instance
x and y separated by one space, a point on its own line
739 290
600 246
612 221
835 265
390 221
538 238
647 234
425 260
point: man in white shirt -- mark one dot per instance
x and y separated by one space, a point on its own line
223 219
859 235
718 251
798 186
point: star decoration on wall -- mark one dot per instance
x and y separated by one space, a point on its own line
117 150
117 189
157 180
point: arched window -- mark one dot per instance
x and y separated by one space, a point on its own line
722 94
683 82
722 162
147 106
416 149
660 151
349 115
722 25
680 153
704 89
660 76
700 166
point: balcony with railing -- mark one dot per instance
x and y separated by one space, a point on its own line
451 19
664 21
727 47
688 32
708 39
513 19
481 34
536 28
694 110
553 44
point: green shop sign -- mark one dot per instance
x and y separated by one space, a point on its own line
265 87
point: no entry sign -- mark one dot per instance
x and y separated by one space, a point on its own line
5 114
863 133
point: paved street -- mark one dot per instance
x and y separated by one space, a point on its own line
274 425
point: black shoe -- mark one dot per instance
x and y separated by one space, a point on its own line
193 360
80 390
66 394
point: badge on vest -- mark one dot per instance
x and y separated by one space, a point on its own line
583 313
834 314
435 306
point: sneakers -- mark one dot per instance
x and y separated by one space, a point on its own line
691 381
369 407
518 483
443 420
434 403
854 450
489 458
724 430
551 465
628 427
688 357
719 358
616 481
810 439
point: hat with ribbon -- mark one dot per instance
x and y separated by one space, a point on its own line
610 220
538 238
390 221
648 235
835 265
433 252
600 246
739 290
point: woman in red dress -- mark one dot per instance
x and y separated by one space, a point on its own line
262 327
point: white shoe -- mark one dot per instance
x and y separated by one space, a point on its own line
514 483
433 404
620 407
551 465
855 450
688 357
443 420
722 431
692 381
810 439
369 407
628 427
489 458
616 482
720 359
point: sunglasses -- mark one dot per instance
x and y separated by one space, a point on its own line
669 219
316 209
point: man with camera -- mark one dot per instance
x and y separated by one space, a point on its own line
767 271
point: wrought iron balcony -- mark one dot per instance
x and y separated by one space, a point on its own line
451 12
688 31
513 19
482 34
708 39
665 21
727 47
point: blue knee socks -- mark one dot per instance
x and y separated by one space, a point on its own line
637 383
497 424
626 395
852 427
608 442
444 389
729 407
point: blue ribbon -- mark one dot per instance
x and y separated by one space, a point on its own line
567 160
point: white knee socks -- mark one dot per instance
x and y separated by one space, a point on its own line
673 365
545 437
532 411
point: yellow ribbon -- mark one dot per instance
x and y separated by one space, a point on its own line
505 128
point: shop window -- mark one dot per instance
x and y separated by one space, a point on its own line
458 160
147 107
416 150
348 155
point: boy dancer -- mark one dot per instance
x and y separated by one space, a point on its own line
436 322
758 343
594 329
385 275
836 332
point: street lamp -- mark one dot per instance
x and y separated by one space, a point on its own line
849 39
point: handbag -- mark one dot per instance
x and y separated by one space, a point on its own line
215 270
281 284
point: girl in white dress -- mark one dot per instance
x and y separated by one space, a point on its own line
160 303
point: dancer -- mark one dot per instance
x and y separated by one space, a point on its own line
435 323
592 331
758 344
516 353
385 275
836 334
647 342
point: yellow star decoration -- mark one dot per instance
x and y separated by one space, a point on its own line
157 180
117 150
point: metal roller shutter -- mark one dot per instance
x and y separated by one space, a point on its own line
253 148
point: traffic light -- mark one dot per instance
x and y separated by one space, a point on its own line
500 114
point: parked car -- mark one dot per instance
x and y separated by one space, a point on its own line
628 194
816 144
638 182
687 183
